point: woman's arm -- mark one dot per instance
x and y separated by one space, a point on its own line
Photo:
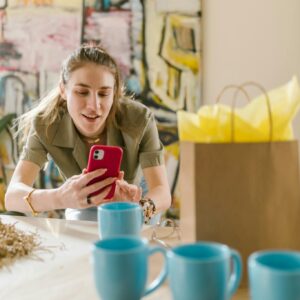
72 194
158 187
21 184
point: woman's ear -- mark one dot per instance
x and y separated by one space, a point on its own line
62 91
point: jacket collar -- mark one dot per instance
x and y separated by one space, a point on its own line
65 132
66 136
115 136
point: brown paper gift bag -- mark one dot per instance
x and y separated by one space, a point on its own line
245 195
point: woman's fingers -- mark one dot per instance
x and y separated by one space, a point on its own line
74 192
138 195
94 187
121 175
100 198
124 190
128 191
87 177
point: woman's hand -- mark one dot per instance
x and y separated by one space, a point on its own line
126 191
74 193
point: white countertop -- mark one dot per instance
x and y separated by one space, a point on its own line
65 272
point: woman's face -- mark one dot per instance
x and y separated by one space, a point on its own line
89 94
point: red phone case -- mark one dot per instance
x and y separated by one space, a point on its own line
105 157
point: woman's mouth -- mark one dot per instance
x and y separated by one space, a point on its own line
91 118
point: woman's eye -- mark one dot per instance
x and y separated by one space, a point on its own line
82 93
103 94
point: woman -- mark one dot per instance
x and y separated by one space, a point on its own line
88 108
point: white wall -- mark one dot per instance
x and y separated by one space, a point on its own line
250 40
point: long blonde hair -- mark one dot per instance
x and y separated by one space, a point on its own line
48 107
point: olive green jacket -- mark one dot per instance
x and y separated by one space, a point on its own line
138 137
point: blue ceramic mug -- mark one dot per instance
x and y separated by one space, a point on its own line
119 218
274 275
121 268
203 271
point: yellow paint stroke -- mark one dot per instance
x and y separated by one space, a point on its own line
159 81
173 82
174 54
159 101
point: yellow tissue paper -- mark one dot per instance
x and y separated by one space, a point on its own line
213 123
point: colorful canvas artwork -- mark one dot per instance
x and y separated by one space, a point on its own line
157 44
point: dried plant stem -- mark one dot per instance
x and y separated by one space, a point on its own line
15 243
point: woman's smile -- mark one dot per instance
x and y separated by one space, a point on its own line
91 118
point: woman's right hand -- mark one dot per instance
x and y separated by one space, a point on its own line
74 192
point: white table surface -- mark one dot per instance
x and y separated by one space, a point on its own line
65 272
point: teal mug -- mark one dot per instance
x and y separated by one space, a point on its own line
120 267
119 218
203 271
274 275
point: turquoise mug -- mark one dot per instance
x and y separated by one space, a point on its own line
274 275
203 271
120 267
119 218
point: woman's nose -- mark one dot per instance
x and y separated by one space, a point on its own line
94 102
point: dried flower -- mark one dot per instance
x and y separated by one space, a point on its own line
15 243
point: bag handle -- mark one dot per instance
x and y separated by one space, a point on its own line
238 89
268 103
233 86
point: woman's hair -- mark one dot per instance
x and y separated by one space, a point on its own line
49 107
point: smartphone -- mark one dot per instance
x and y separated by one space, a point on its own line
105 157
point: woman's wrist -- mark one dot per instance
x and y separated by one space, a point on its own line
58 202
46 200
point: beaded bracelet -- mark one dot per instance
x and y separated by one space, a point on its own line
28 200
149 209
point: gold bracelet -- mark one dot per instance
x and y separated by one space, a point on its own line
28 200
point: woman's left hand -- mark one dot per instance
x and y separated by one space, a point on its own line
126 191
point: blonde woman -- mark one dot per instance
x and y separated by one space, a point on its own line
88 107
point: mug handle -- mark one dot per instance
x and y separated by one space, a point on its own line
236 273
159 280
